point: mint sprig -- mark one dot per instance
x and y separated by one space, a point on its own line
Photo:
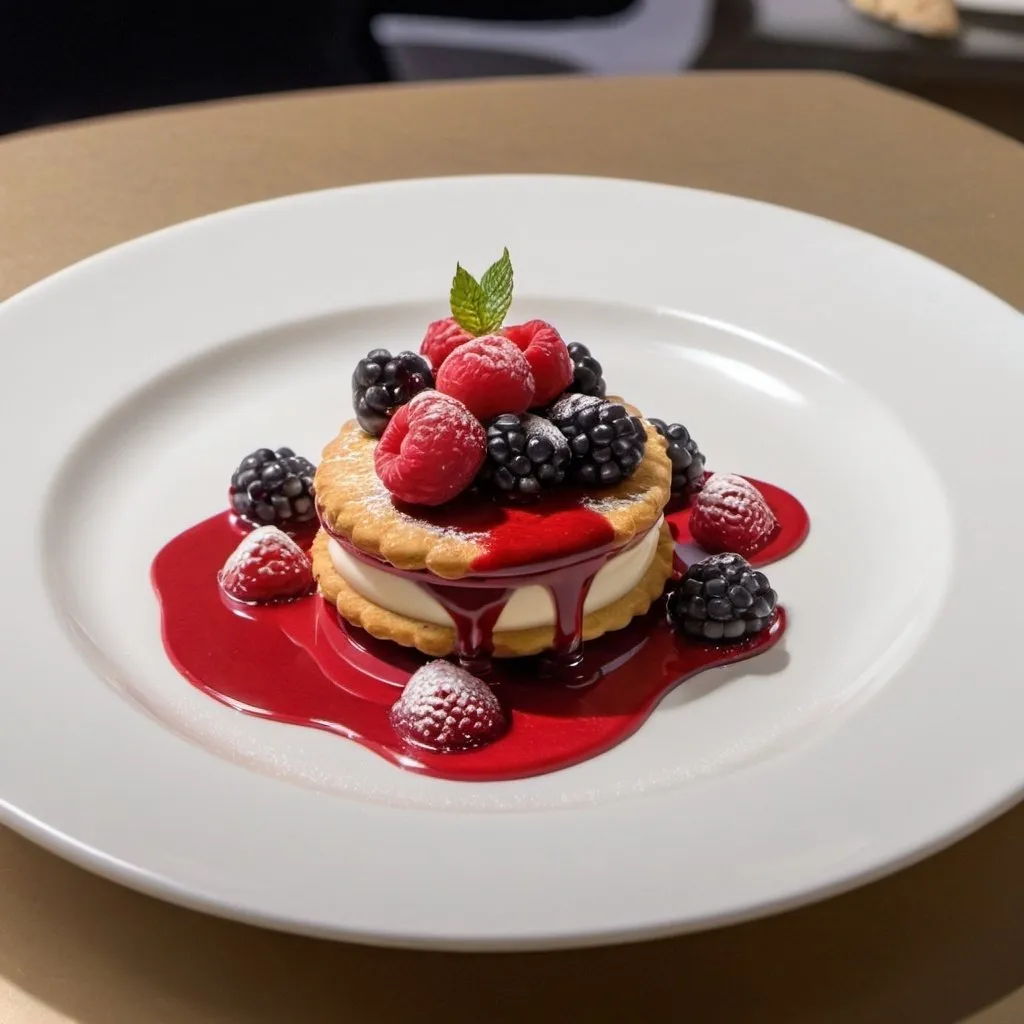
480 307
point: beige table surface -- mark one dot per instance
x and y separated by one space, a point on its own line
942 941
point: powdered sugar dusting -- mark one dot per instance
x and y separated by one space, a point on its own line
353 455
266 566
497 356
722 483
611 504
263 551
537 426
569 405
489 375
431 450
370 499
446 415
377 502
731 514
445 708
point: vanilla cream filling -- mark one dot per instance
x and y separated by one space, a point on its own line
529 606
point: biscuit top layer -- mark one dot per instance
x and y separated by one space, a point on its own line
474 535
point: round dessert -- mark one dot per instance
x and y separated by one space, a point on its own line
487 499
478 576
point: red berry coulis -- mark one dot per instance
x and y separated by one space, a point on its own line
300 663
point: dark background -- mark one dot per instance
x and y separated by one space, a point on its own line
66 59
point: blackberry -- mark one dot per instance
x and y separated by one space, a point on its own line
607 444
686 458
382 382
273 487
525 455
586 372
721 599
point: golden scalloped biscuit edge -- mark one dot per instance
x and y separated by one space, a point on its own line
439 641
354 504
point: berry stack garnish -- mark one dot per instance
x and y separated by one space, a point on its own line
267 567
547 355
273 487
587 374
525 455
431 451
730 514
721 599
686 458
607 444
445 709
489 375
382 383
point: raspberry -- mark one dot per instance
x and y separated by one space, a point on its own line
721 599
547 355
431 450
267 566
489 375
443 337
730 514
445 709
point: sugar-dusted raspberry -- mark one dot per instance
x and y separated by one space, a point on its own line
446 709
547 355
431 450
443 337
266 567
730 514
489 375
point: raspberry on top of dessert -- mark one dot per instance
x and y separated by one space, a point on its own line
455 539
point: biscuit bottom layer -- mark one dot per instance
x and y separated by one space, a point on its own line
528 608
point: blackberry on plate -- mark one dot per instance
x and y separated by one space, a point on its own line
273 487
525 455
382 382
607 444
686 458
586 372
721 599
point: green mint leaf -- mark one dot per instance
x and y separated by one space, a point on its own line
469 303
497 287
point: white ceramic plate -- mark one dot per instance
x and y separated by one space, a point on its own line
992 6
880 388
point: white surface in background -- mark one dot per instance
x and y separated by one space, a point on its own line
993 6
652 36
834 23
663 36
